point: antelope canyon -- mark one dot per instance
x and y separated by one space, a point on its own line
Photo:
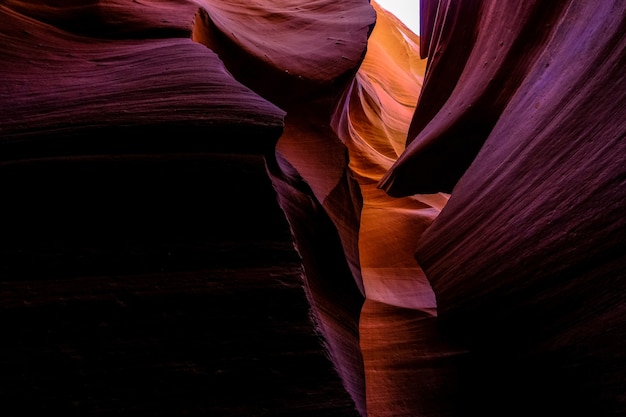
302 208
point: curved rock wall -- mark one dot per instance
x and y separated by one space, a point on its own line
526 259
456 200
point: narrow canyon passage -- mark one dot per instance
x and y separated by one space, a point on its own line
298 208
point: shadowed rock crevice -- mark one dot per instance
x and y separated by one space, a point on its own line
301 208
142 238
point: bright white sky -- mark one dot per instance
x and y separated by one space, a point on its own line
406 10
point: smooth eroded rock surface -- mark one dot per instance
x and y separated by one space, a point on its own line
302 208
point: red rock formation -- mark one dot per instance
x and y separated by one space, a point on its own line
505 300
62 85
522 117
95 89
403 353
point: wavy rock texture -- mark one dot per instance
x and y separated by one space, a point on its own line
142 157
456 200
373 279
62 85
524 122
408 367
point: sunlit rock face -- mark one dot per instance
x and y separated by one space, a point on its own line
456 200
402 351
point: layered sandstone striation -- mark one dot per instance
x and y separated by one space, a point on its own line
456 200
522 119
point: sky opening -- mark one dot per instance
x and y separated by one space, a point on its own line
406 10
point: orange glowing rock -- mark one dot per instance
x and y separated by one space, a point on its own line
456 199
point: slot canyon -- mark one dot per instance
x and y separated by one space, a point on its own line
302 208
